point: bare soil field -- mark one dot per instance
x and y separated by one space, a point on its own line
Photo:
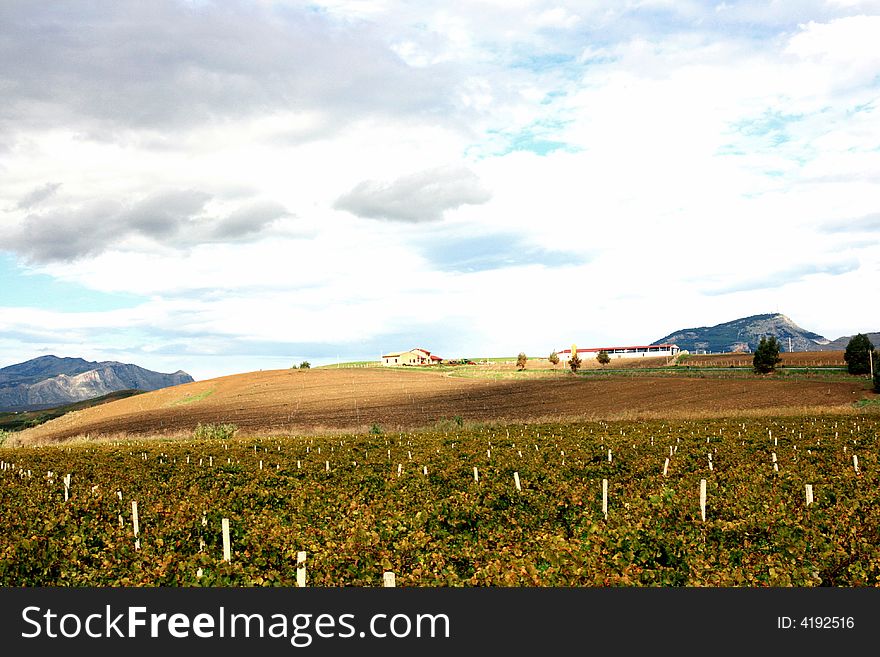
295 401
789 359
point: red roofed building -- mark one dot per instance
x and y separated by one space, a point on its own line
415 356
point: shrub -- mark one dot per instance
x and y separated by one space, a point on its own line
574 362
856 355
305 365
214 431
603 357
4 435
521 361
376 430
554 359
766 355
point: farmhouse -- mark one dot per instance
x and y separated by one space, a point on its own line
645 351
412 357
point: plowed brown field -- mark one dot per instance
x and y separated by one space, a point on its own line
354 399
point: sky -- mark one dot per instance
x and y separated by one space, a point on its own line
223 187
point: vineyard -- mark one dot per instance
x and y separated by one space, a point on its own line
788 502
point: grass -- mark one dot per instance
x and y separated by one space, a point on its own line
191 399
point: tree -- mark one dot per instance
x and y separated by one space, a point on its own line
603 357
767 355
574 362
521 361
305 365
877 371
856 355
554 359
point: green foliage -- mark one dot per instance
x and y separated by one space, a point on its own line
877 371
521 361
766 356
603 357
214 431
4 436
553 358
457 419
305 365
856 354
574 362
445 529
376 429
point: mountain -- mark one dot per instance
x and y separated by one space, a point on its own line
744 335
51 381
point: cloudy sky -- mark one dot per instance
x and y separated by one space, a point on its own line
231 186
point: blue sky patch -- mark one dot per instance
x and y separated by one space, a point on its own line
498 251
19 288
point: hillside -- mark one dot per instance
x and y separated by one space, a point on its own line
51 381
292 401
744 334
17 420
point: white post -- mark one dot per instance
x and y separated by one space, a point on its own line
399 468
301 569
135 525
605 498
66 487
856 464
809 491
227 549
703 499
516 481
388 579
327 466
476 476
425 470
609 456
665 466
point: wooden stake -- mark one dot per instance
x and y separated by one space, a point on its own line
665 467
516 481
227 548
388 580
476 476
703 499
301 569
856 464
605 498
809 491
135 525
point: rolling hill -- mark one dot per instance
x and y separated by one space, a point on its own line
297 401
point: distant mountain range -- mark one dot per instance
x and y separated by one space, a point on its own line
51 381
745 333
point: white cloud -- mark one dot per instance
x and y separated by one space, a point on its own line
662 141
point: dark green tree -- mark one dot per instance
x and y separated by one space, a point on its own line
574 362
603 358
305 365
877 371
554 359
521 361
856 354
767 355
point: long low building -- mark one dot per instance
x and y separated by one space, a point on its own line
638 351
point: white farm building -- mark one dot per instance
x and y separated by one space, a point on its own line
639 351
